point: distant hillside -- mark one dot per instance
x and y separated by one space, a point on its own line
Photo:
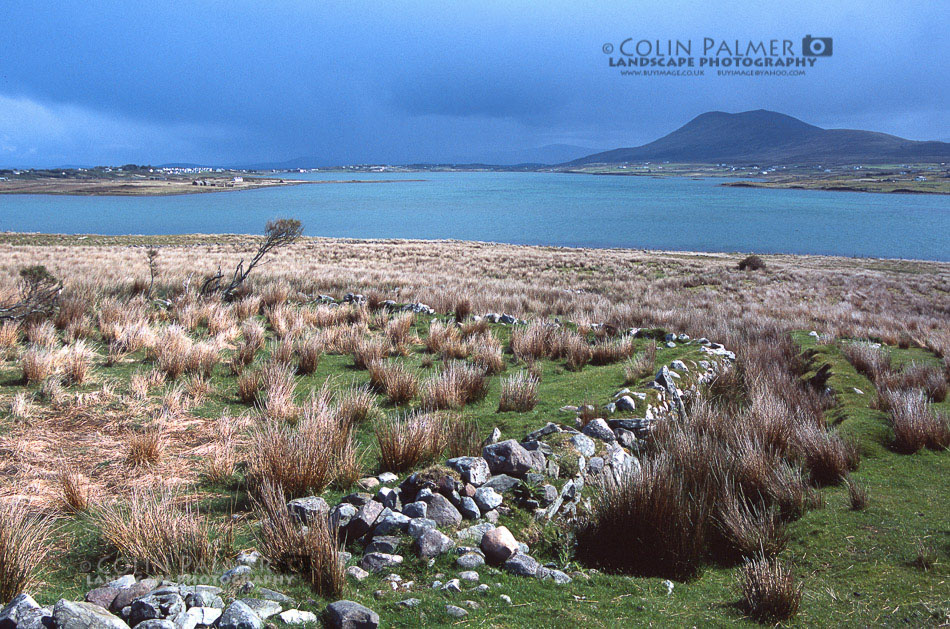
767 137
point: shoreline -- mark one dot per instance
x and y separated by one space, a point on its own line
164 188
40 239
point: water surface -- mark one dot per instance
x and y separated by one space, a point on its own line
528 208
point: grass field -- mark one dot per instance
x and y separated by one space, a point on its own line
883 565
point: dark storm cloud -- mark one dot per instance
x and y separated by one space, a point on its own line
244 82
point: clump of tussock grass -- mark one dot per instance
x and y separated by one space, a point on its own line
248 386
487 354
163 533
20 406
914 423
275 294
399 329
303 459
927 378
441 336
42 334
9 335
74 491
857 494
750 528
309 351
172 351
247 307
355 405
311 552
576 350
608 352
472 328
25 543
926 556
38 364
519 393
408 439
462 309
534 341
76 362
395 380
642 364
72 307
872 362
145 448
769 591
369 350
285 321
202 358
455 386
461 437
277 386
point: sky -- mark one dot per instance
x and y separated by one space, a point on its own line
240 83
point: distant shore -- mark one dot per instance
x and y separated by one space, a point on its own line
125 187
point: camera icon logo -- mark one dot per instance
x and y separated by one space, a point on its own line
816 46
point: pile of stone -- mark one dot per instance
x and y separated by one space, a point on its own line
151 604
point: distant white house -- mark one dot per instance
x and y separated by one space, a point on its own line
920 178
238 180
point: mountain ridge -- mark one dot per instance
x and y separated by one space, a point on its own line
761 136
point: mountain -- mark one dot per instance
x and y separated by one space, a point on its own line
767 137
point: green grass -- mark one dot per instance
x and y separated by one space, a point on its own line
857 567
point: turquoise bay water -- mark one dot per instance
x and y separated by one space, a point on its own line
528 208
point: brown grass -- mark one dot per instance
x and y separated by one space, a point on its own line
769 591
355 405
38 364
914 422
172 351
75 490
857 494
309 351
162 536
145 448
367 351
25 543
77 362
519 393
408 439
394 379
486 351
455 386
641 365
312 553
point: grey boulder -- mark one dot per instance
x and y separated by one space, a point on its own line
74 615
239 616
350 615
508 457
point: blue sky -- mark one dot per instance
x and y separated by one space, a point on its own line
248 82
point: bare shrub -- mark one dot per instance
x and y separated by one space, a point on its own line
751 263
408 439
519 393
311 552
163 538
25 544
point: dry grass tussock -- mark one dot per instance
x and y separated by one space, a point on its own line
769 591
25 543
163 533
456 385
409 439
519 393
311 553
